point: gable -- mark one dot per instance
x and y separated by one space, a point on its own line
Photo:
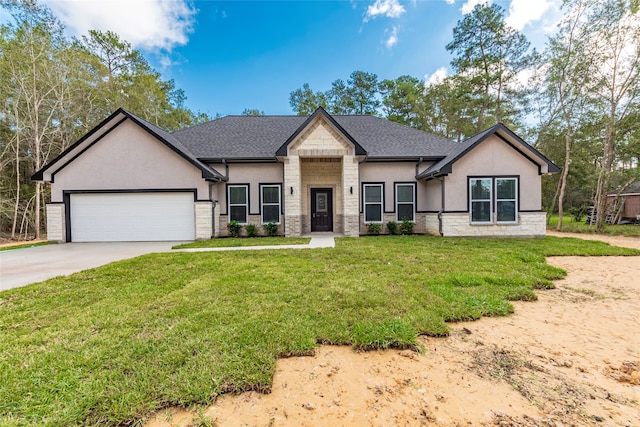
320 139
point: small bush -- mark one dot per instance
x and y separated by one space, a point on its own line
271 228
374 228
406 226
392 226
234 228
577 213
252 230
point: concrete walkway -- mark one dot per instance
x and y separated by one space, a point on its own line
317 241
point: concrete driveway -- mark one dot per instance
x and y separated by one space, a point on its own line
20 267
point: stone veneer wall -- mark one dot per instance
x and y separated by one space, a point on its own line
203 220
56 227
530 224
431 224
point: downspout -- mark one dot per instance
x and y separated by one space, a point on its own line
418 165
214 203
441 179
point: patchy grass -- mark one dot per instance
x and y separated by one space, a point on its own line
228 242
12 246
111 345
570 226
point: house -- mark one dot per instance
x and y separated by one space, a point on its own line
129 180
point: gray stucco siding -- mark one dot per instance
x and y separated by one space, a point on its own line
128 158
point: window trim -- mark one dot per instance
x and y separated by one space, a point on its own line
279 204
515 199
493 199
471 199
365 203
413 203
246 205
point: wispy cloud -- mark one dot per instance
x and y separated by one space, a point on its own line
523 12
388 8
393 38
147 24
450 1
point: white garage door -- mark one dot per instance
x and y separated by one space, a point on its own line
131 217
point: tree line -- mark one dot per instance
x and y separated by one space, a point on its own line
53 90
577 101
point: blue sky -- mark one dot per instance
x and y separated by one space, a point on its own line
232 55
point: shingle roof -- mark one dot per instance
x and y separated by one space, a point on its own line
444 166
254 137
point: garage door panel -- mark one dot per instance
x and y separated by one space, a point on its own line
107 217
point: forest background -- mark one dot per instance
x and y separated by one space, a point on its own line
577 101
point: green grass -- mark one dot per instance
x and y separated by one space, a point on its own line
23 246
568 225
228 242
111 345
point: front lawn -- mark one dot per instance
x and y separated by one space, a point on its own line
111 345
571 226
228 242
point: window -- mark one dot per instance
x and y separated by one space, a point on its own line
480 189
238 200
506 199
493 195
373 203
405 202
270 197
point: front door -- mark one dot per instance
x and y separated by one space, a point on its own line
321 209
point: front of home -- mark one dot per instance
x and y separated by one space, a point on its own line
128 180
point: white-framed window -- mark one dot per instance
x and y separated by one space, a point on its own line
493 199
238 203
270 203
373 203
405 202
480 195
506 200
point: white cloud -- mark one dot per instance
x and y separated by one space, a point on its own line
523 12
393 38
468 6
437 77
388 8
146 24
450 1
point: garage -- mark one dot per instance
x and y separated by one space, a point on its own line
122 217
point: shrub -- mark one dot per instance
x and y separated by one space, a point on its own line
234 228
577 213
374 228
252 230
392 226
406 226
271 228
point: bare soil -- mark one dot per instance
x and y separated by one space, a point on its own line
572 358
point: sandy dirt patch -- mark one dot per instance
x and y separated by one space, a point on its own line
572 358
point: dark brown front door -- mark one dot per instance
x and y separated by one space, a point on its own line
321 209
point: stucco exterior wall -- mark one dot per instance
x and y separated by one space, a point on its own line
128 158
392 172
252 174
493 157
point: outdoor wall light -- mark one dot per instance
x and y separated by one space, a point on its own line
291 190
351 190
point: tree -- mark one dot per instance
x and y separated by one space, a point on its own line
400 98
305 101
490 55
362 93
252 112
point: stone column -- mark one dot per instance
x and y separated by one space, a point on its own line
292 202
350 191
203 220
56 225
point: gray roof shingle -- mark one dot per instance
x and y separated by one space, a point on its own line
256 137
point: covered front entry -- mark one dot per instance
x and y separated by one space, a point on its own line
321 209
